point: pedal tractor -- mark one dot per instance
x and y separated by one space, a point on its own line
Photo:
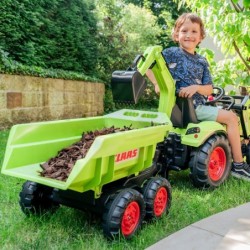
202 147
123 176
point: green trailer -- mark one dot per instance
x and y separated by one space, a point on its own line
29 145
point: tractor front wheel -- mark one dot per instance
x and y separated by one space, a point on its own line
123 214
35 198
210 164
157 195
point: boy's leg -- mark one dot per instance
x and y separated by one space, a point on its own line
240 169
231 121
210 113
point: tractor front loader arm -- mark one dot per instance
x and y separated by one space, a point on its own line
129 85
152 58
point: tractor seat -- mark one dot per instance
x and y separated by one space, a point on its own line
183 112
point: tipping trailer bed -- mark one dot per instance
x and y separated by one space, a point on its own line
29 145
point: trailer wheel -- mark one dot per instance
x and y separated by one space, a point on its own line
123 214
210 164
34 199
157 196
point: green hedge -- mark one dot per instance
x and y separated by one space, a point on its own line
9 66
50 33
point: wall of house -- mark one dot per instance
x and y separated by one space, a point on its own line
218 56
28 99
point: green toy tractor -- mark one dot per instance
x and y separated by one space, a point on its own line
123 176
202 147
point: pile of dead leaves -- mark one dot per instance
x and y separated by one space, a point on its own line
59 167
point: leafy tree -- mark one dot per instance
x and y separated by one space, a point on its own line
228 22
165 11
124 31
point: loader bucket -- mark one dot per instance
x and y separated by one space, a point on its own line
127 86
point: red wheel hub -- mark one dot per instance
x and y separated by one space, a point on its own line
160 201
217 164
130 218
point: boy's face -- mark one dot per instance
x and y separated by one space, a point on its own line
189 36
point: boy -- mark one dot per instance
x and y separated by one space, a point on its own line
191 73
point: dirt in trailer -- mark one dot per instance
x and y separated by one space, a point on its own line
60 166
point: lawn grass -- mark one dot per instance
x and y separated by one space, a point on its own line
72 229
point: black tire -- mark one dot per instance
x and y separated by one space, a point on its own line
35 199
157 196
123 214
210 164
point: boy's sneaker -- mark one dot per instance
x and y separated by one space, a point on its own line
241 172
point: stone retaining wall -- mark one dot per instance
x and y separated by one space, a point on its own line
27 99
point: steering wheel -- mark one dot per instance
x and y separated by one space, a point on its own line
217 94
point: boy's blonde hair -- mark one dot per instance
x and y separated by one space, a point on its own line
187 16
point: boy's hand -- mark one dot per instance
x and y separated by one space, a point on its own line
157 89
188 91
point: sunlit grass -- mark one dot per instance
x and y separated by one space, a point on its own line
72 229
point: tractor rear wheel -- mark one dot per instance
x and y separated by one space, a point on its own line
123 214
157 195
35 199
210 164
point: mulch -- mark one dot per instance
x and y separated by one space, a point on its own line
60 166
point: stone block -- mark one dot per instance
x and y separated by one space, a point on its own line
71 86
5 118
55 98
34 84
55 85
30 99
70 98
44 98
3 100
56 112
14 100
18 83
82 98
82 87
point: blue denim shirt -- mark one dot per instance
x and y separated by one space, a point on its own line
188 69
